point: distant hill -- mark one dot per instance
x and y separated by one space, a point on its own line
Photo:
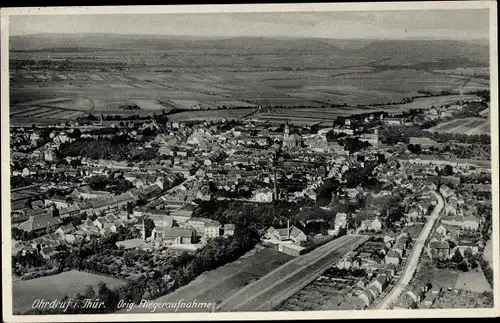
407 52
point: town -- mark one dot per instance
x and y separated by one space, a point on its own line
378 210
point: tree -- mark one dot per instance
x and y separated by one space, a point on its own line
447 170
463 266
76 133
457 257
75 163
414 148
89 292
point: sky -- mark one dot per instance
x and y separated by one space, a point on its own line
408 24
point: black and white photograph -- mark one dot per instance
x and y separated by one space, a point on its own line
280 161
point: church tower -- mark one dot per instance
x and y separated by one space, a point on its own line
287 131
275 187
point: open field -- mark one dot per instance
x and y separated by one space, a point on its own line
280 284
473 281
325 293
292 88
187 104
218 284
210 115
463 299
488 252
312 115
25 292
468 126
28 121
237 72
437 277
38 112
427 102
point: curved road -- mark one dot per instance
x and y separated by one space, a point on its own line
412 262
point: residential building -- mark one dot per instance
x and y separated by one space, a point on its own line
179 236
371 225
437 248
366 297
470 223
40 222
340 222
416 294
292 233
380 282
392 257
228 229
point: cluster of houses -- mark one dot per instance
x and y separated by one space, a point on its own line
418 296
376 255
243 168
178 229
287 240
448 110
458 218
88 201
66 234
369 291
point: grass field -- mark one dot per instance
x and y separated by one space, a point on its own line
232 72
325 293
437 277
414 230
468 126
210 115
473 281
463 299
36 113
25 292
218 284
488 252
351 86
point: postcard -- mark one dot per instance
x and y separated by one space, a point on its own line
271 161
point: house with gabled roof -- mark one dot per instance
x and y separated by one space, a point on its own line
441 231
437 248
467 245
374 291
293 233
362 282
380 282
179 236
66 229
470 223
48 252
367 297
85 192
404 303
372 225
40 222
416 293
228 229
392 257
429 299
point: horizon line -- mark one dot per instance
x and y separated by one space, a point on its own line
247 36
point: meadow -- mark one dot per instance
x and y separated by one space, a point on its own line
163 74
69 283
473 281
219 284
468 126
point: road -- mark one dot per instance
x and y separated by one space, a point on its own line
288 279
413 259
251 113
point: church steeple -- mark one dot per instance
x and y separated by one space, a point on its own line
287 131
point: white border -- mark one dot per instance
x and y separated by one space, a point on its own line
5 160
